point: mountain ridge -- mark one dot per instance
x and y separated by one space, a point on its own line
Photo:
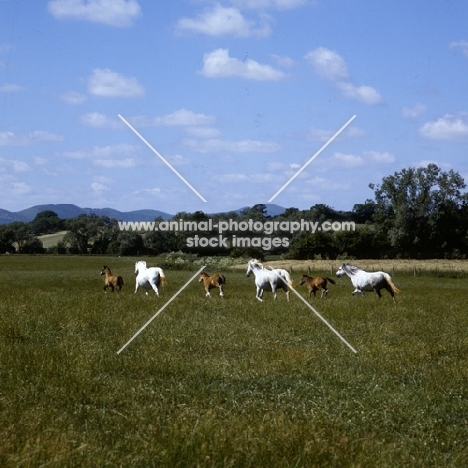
69 210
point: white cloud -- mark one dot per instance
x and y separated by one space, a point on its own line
413 112
218 64
13 165
203 132
283 60
223 21
462 45
239 177
100 153
447 128
323 135
264 4
243 146
328 63
73 97
99 187
324 184
20 188
11 139
120 13
97 120
364 94
10 88
344 160
115 163
108 83
348 160
331 65
181 117
38 161
379 157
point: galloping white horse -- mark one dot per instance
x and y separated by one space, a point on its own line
268 280
363 281
148 278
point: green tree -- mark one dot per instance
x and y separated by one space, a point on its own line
46 222
421 211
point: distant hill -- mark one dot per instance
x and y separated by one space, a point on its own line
66 211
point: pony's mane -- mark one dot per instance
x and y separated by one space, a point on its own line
350 268
254 261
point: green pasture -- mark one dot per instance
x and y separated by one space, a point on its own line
227 382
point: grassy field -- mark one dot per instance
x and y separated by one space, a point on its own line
227 382
51 240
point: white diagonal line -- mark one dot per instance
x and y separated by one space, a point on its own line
316 313
161 309
312 158
160 157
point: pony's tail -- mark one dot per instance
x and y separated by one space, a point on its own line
394 288
331 281
222 279
120 281
163 280
291 282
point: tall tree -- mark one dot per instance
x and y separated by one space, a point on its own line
416 206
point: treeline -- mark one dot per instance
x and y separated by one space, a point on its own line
415 213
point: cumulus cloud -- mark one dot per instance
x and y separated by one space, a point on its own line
242 147
447 128
203 132
97 120
236 178
413 112
105 153
364 94
119 13
461 45
10 88
330 65
13 165
323 135
265 4
346 160
218 64
73 97
12 139
107 83
178 118
224 21
283 60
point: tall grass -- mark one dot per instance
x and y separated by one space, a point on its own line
227 382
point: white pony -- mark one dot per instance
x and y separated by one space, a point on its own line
148 278
269 280
363 281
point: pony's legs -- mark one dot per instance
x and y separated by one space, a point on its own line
390 290
221 292
358 291
155 289
259 294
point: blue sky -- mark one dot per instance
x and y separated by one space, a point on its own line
236 95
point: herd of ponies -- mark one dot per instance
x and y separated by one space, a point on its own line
271 279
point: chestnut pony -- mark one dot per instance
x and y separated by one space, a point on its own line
111 281
316 284
210 282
